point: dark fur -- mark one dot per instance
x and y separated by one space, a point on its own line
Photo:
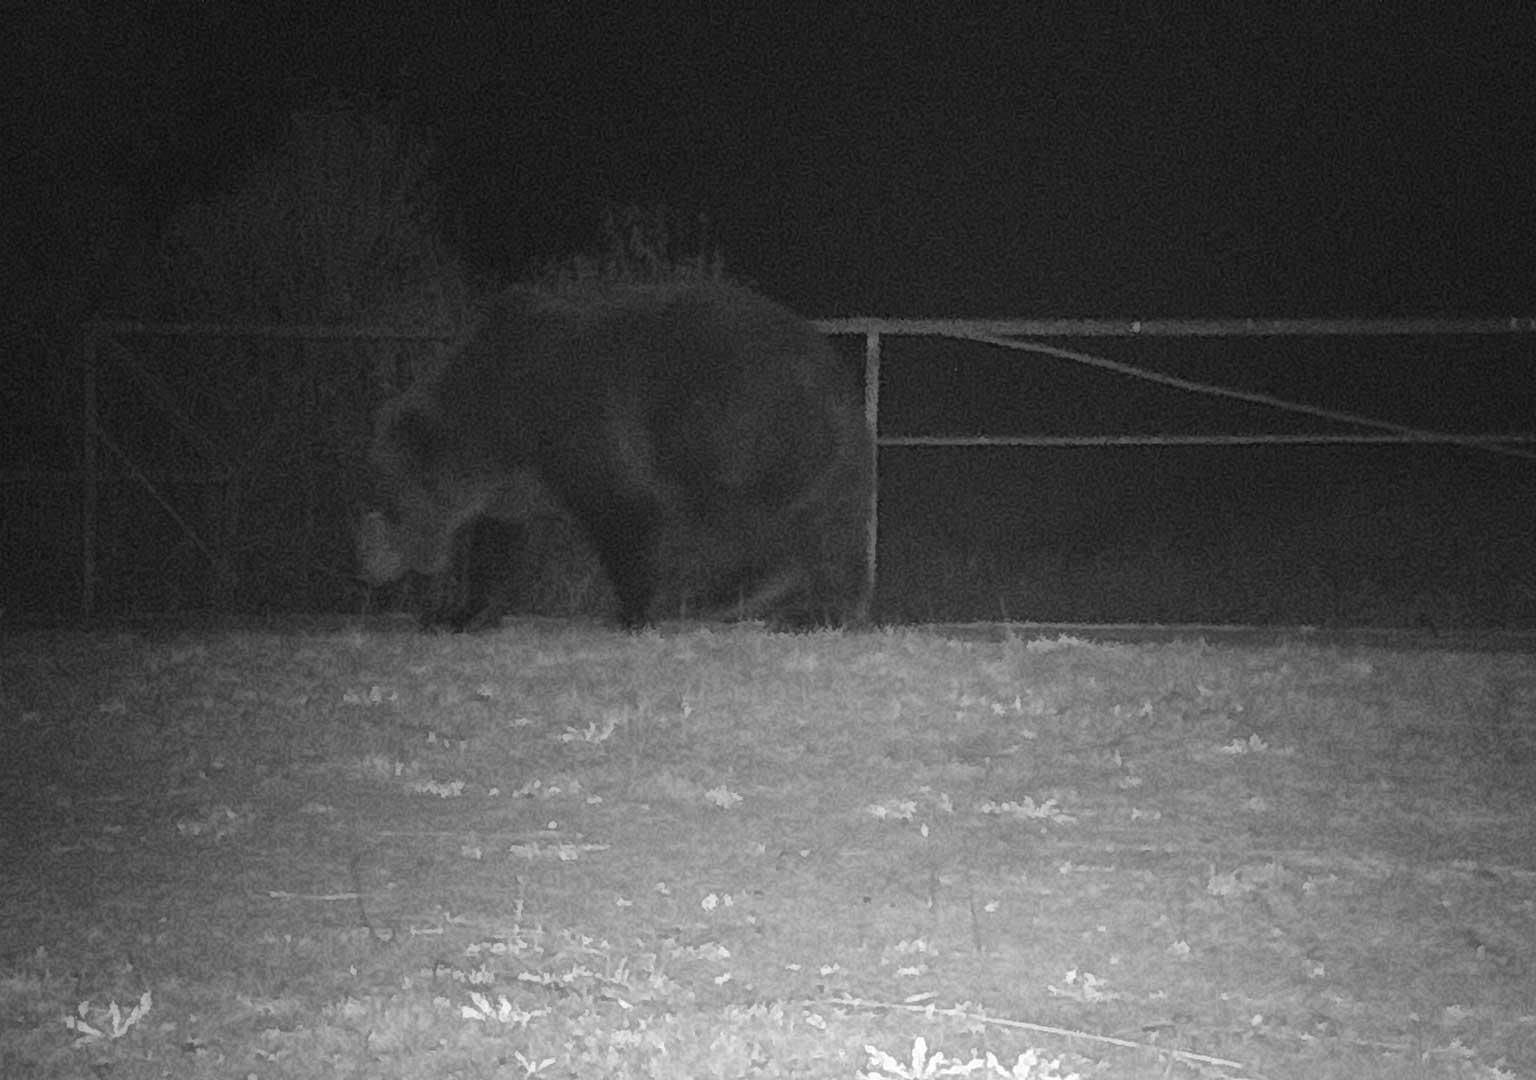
694 430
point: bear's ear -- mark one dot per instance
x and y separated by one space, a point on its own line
418 436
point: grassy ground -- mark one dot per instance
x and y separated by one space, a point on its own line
563 852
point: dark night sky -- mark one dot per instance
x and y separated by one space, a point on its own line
1143 159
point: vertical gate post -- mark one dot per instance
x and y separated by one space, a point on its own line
872 418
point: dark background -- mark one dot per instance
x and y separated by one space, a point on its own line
1240 158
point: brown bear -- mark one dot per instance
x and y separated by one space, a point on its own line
692 422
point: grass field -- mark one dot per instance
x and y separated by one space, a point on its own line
559 851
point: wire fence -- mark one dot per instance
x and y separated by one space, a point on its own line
109 444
